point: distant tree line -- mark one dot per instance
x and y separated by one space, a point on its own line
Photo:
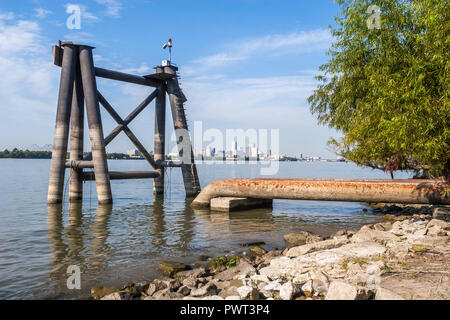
25 154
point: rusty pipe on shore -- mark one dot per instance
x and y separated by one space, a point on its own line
354 190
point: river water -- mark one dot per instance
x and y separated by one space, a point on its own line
125 242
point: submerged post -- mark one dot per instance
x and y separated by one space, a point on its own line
77 136
95 126
160 134
60 140
188 168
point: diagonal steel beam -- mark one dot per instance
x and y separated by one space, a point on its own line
131 117
127 130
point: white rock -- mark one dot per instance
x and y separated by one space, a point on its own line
248 293
233 298
288 290
307 288
361 250
316 246
368 234
340 290
273 286
384 294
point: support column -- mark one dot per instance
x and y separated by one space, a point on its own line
95 126
160 140
77 136
188 168
60 140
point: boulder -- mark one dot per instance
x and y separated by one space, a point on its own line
340 290
257 251
288 291
169 268
156 285
248 293
367 234
274 285
384 294
301 238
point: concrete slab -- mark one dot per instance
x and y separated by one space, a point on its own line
228 204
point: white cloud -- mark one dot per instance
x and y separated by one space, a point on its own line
269 45
6 16
41 13
28 84
112 7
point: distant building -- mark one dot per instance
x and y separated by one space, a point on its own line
133 153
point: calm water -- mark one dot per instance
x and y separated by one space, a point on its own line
114 245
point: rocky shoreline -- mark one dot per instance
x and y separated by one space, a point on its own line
407 256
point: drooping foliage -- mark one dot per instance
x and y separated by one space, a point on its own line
386 89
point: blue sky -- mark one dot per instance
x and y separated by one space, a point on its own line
244 64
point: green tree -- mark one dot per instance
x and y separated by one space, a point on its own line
386 89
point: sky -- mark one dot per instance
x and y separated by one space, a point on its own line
247 64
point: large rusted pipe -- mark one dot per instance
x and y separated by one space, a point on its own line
60 140
354 190
76 136
95 126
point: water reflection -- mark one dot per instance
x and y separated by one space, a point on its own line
99 235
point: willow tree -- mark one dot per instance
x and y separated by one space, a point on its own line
386 85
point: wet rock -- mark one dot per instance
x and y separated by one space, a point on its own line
384 294
135 289
316 246
170 268
120 295
340 290
248 293
208 289
99 292
257 251
288 291
301 238
194 273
